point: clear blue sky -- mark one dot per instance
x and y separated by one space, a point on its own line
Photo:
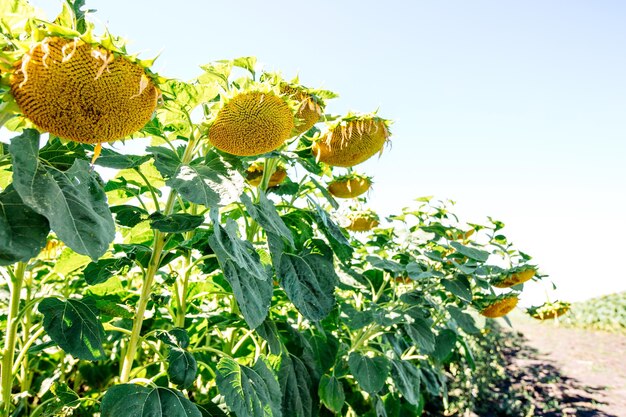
513 109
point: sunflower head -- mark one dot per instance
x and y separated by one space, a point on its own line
349 186
496 306
352 140
254 175
549 310
362 221
514 276
252 122
81 91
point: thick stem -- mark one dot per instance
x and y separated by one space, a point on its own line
10 337
25 378
183 287
148 280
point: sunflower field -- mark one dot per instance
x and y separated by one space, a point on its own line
230 267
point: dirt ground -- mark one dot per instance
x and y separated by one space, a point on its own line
570 372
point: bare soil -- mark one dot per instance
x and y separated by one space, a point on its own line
568 372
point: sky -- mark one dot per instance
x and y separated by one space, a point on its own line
515 110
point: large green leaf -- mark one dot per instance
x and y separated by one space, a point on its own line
111 159
268 331
266 215
99 272
444 345
331 393
74 326
421 334
460 287
61 155
23 232
472 253
175 223
166 161
406 378
182 367
295 383
210 185
227 245
311 296
249 392
64 400
464 320
370 373
73 201
129 216
340 244
131 400
253 295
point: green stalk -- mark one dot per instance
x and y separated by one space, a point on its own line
17 279
148 279
182 292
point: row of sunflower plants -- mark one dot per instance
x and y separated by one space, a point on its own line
231 267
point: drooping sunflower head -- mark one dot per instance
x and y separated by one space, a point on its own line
362 221
254 175
252 123
349 186
496 306
352 140
81 91
514 276
549 310
310 102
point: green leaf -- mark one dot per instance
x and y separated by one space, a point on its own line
227 245
406 378
340 244
74 326
472 253
268 331
176 223
73 201
182 367
370 373
460 287
384 264
99 272
464 320
245 62
266 215
129 216
23 232
328 196
202 184
166 161
131 400
249 392
61 155
331 393
295 383
417 271
64 399
110 159
444 345
312 297
253 295
421 334
69 261
324 349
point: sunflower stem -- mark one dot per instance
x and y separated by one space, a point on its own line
17 278
148 279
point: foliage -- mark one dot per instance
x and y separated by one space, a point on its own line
606 313
176 289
